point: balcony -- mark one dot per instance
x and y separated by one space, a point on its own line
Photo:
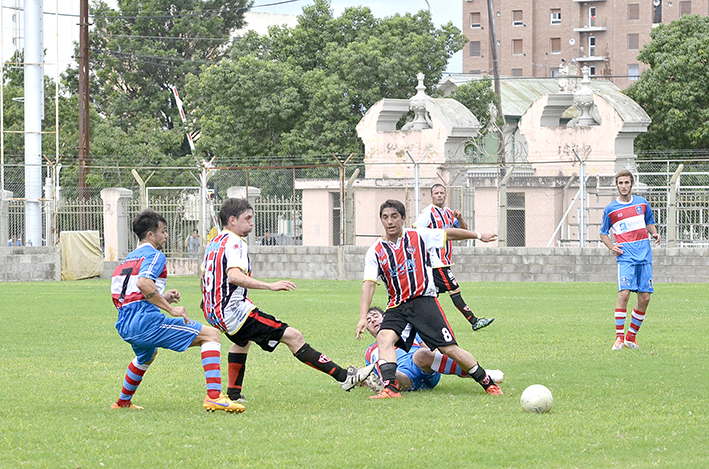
593 25
592 58
588 1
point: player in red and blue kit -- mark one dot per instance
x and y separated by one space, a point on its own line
437 215
401 258
630 218
138 292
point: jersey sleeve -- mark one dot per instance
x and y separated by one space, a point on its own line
371 265
153 265
424 219
433 238
237 254
606 225
649 216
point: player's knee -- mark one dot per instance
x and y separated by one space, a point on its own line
292 337
211 334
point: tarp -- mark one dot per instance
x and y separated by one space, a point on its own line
81 254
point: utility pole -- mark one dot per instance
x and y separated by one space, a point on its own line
493 47
84 131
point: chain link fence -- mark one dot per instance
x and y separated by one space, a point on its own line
333 204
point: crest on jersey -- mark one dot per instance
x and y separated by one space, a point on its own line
383 258
411 249
639 209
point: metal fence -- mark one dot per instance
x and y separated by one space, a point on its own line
332 205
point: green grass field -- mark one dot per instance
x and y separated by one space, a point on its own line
62 365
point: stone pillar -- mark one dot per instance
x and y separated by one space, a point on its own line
4 216
116 229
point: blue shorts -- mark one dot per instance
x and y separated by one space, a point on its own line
419 379
635 277
169 333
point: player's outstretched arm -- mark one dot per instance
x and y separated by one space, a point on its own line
239 278
456 234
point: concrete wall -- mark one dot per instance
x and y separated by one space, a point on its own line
22 264
671 265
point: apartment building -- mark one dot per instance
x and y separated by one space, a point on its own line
535 36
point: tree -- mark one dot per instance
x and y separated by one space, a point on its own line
477 96
674 91
303 90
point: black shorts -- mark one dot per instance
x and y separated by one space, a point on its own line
422 315
444 279
260 328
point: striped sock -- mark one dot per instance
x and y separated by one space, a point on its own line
134 376
636 321
212 370
620 315
444 364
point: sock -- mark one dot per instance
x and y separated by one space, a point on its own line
212 370
447 366
459 303
134 376
319 361
478 374
620 315
636 321
237 368
388 373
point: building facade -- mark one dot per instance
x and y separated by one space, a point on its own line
536 36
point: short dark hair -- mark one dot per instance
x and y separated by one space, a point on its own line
438 184
233 207
377 309
625 173
146 221
396 205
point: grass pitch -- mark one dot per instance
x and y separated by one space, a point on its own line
63 364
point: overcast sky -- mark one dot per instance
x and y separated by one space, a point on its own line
442 12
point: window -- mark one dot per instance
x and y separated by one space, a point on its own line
633 41
515 219
475 72
517 72
517 47
556 16
517 18
685 8
592 16
592 71
554 72
555 45
475 20
633 71
475 49
633 11
656 12
592 46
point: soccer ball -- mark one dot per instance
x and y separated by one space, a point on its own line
537 398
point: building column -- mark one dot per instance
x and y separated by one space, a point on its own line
116 229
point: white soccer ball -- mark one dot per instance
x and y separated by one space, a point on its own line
537 398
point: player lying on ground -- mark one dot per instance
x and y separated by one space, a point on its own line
226 278
417 369
138 291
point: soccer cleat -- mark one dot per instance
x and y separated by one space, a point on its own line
356 376
482 322
386 393
494 390
631 342
222 403
129 406
374 382
618 343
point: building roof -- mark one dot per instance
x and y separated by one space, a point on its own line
518 94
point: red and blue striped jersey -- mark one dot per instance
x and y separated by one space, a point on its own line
133 308
442 218
404 266
629 222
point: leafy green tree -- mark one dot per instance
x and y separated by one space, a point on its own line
674 91
477 96
302 90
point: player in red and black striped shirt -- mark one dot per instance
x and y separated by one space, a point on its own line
402 260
